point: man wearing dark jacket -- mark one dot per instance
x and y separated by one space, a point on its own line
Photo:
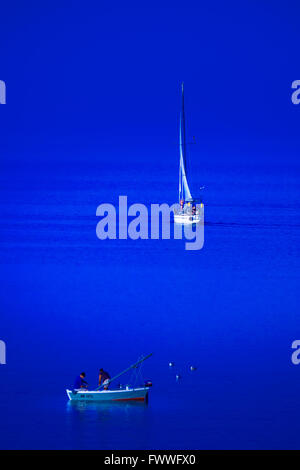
80 382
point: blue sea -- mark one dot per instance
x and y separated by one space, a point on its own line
71 302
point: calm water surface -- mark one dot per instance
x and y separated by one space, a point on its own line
70 302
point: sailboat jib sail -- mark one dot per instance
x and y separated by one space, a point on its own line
188 212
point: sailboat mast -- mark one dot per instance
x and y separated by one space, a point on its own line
183 141
184 191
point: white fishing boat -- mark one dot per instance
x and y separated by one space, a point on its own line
126 394
190 211
121 394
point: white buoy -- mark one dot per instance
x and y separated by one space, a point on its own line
178 377
171 364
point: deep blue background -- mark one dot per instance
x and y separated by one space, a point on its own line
92 112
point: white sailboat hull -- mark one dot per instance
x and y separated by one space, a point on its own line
187 219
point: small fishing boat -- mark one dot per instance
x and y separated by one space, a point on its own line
190 211
128 393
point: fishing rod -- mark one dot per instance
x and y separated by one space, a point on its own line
126 370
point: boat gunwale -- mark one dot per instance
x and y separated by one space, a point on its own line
78 390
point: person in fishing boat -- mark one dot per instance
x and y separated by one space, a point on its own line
103 378
181 204
80 381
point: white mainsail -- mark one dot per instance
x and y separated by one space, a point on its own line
184 190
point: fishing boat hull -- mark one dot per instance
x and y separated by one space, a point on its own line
119 395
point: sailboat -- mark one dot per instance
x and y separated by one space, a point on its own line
103 394
189 212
